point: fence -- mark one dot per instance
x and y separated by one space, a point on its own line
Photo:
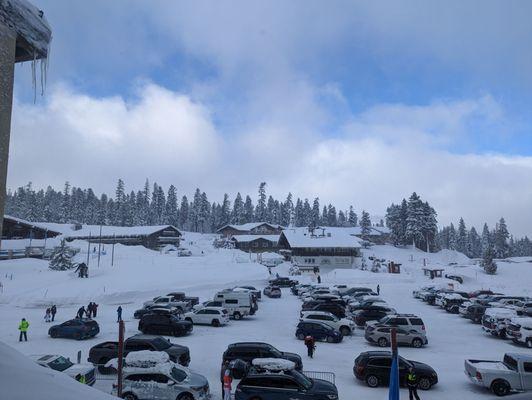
326 376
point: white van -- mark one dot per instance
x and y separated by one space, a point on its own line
238 304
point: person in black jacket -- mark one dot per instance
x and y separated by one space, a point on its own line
311 345
81 312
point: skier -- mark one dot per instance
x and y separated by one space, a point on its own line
53 311
94 309
119 314
48 315
378 290
81 312
411 383
311 345
23 328
227 384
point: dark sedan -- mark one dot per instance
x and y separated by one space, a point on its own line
78 328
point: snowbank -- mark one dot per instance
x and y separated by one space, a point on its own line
23 379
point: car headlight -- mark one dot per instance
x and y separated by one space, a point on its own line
332 396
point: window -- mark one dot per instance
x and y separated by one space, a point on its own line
200 312
510 362
178 374
287 383
527 366
231 301
416 321
251 382
381 362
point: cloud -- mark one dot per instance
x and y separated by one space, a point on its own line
168 137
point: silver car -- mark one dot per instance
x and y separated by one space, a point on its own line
380 335
170 383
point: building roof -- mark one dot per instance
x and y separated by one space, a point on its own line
249 226
69 231
251 238
323 237
30 224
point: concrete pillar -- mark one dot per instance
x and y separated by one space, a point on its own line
7 70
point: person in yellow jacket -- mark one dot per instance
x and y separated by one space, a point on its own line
23 328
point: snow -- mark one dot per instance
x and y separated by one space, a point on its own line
249 226
271 256
140 274
525 322
68 230
273 364
491 366
146 356
332 237
499 312
22 379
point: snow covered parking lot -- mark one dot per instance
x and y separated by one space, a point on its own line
141 274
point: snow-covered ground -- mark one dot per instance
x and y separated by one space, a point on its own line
140 274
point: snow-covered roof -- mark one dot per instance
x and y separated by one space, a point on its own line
30 224
249 226
250 238
69 231
500 312
323 238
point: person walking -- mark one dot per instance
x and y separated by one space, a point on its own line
23 328
378 290
228 380
119 314
94 309
89 310
48 315
412 383
311 345
53 311
81 312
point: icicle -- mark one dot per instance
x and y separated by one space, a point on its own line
33 77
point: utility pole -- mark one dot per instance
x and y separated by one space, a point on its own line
99 246
121 329
113 251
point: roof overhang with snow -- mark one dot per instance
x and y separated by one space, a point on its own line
320 238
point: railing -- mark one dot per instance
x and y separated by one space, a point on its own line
326 376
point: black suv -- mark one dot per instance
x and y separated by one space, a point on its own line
330 306
373 367
282 281
284 386
247 351
164 324
371 313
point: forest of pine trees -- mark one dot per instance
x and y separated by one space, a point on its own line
153 206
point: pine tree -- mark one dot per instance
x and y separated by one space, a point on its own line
500 243
452 237
414 221
61 259
474 245
237 215
287 210
307 213
65 204
225 217
352 218
172 212
461 238
299 219
315 221
260 212
342 220
365 225
332 219
486 239
248 210
489 265
183 214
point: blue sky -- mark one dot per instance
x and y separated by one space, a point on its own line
450 79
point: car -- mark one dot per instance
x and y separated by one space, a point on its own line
83 373
520 331
373 367
472 311
343 325
506 303
248 351
77 328
181 296
184 253
408 322
319 331
238 304
283 384
417 293
283 281
496 299
299 287
159 378
441 299
360 305
253 290
495 319
160 324
215 316
524 308
453 305
513 374
156 309
182 305
273 292
456 278
103 352
334 308
381 335
354 290
371 313
477 293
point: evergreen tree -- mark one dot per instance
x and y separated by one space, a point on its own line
352 218
315 221
332 219
342 220
365 225
414 221
461 238
287 210
237 216
486 239
183 214
260 212
225 215
474 246
299 219
61 258
172 211
452 237
500 243
248 210
307 213
489 265
65 204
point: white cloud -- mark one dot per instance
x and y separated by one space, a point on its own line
380 156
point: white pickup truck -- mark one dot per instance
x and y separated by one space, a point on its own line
513 374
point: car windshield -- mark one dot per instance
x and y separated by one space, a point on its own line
60 364
160 343
302 379
178 374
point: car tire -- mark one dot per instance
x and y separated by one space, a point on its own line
417 343
129 396
529 343
383 342
237 316
215 323
345 330
330 339
500 387
424 383
189 320
372 381
185 396
301 336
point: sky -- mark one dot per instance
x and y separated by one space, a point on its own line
357 103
